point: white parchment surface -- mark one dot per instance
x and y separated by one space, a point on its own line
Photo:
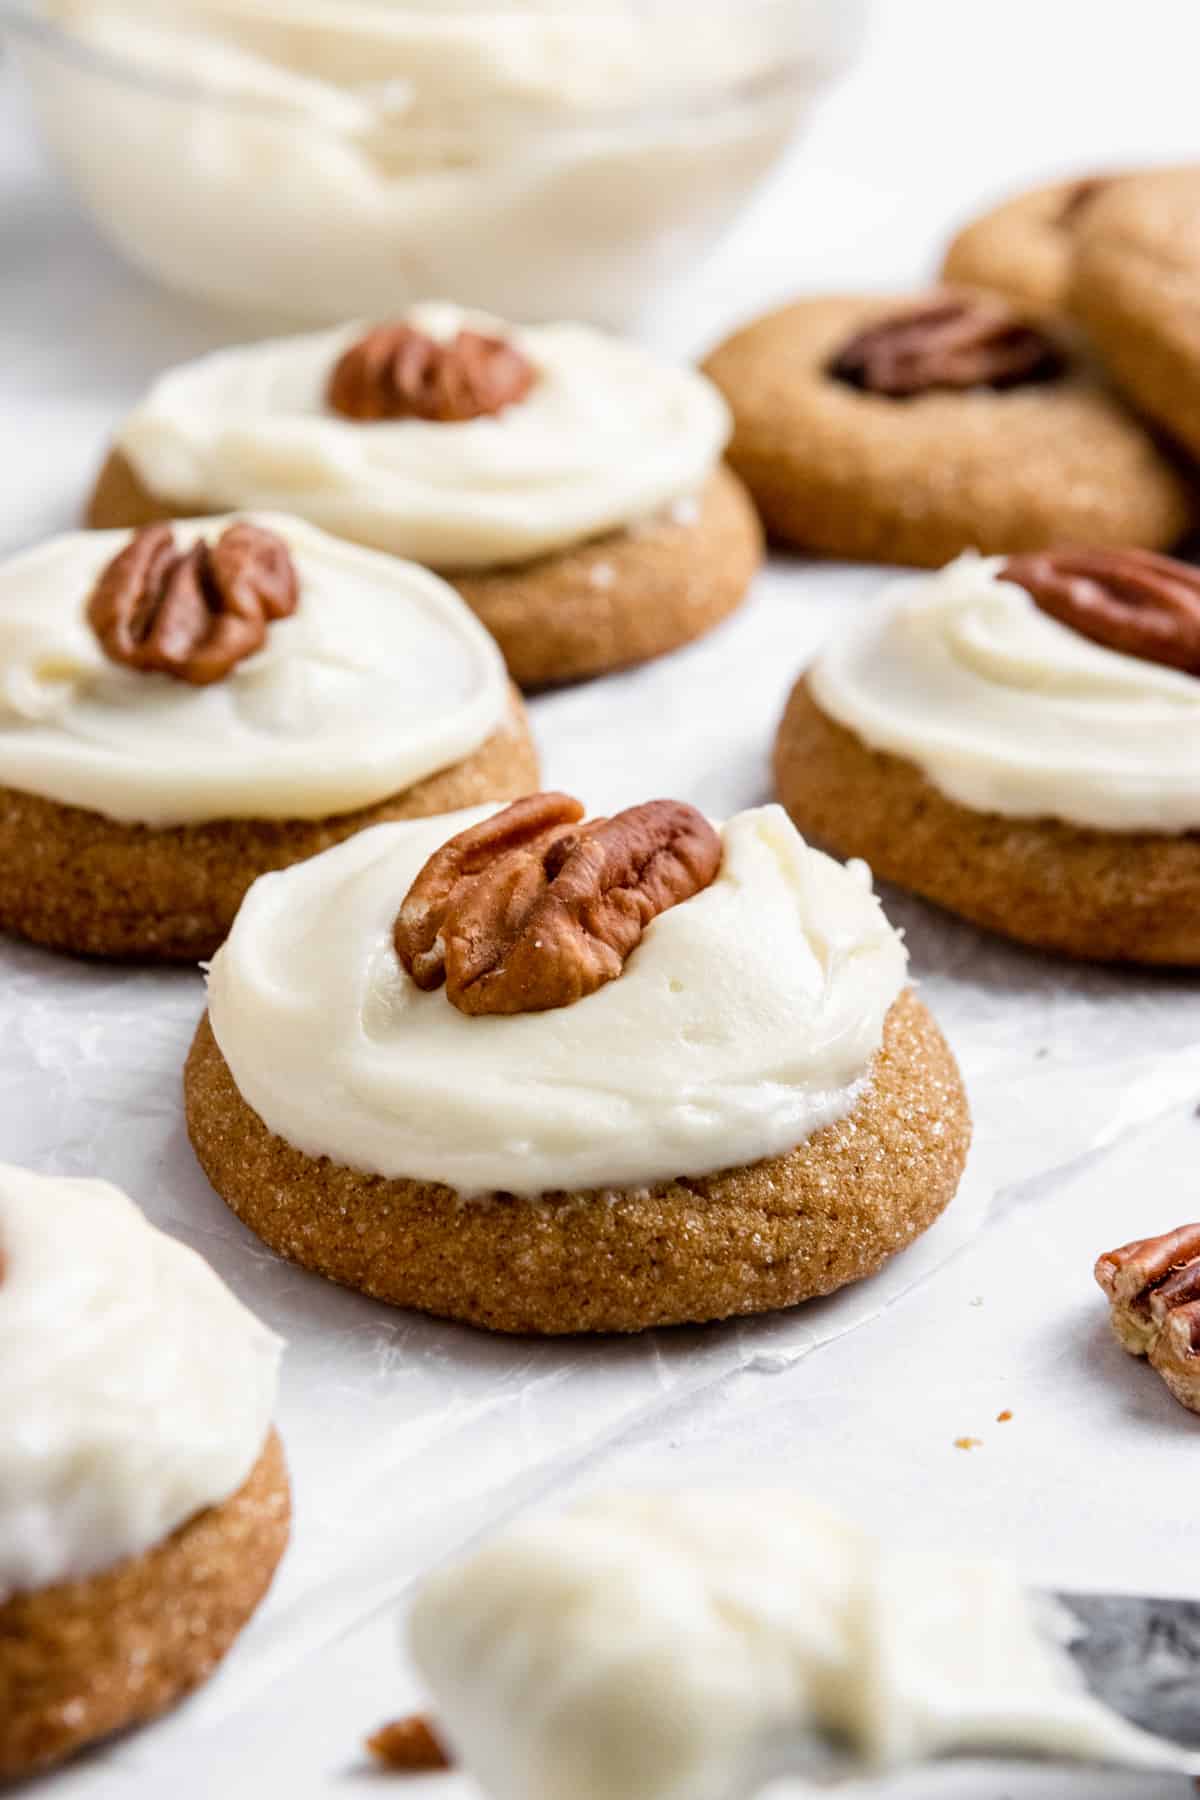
407 1437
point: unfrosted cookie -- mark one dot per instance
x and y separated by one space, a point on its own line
144 1500
152 765
908 430
568 483
1023 247
1038 777
533 1131
1135 287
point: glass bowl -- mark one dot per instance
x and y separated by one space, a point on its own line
317 160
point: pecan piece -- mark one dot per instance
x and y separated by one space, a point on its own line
398 372
409 1746
953 343
1153 1288
192 615
529 826
533 910
1134 601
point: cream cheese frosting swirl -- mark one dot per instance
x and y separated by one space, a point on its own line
607 437
137 1389
381 677
686 1646
1005 710
747 1018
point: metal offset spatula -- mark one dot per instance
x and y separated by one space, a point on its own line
1139 1657
1142 1659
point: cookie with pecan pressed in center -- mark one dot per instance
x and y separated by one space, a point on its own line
907 430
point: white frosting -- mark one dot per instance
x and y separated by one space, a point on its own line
747 1017
136 1389
381 677
607 436
321 158
1007 711
677 1646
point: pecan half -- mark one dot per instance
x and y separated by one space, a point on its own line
953 343
398 372
192 615
409 1746
1153 1289
1133 601
533 910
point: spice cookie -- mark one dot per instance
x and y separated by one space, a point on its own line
144 1500
1135 287
1023 247
568 483
591 1077
1020 742
910 430
187 707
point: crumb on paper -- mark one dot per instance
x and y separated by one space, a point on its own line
409 1746
967 1443
1002 1418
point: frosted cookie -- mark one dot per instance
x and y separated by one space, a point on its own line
909 430
1020 741
144 1500
663 1644
589 1076
1135 287
1023 247
570 484
187 706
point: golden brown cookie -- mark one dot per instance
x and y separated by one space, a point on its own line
86 1658
1135 287
919 475
617 600
1022 248
1103 895
75 880
744 1240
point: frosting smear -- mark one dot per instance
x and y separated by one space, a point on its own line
685 1646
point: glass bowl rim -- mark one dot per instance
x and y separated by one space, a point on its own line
24 19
